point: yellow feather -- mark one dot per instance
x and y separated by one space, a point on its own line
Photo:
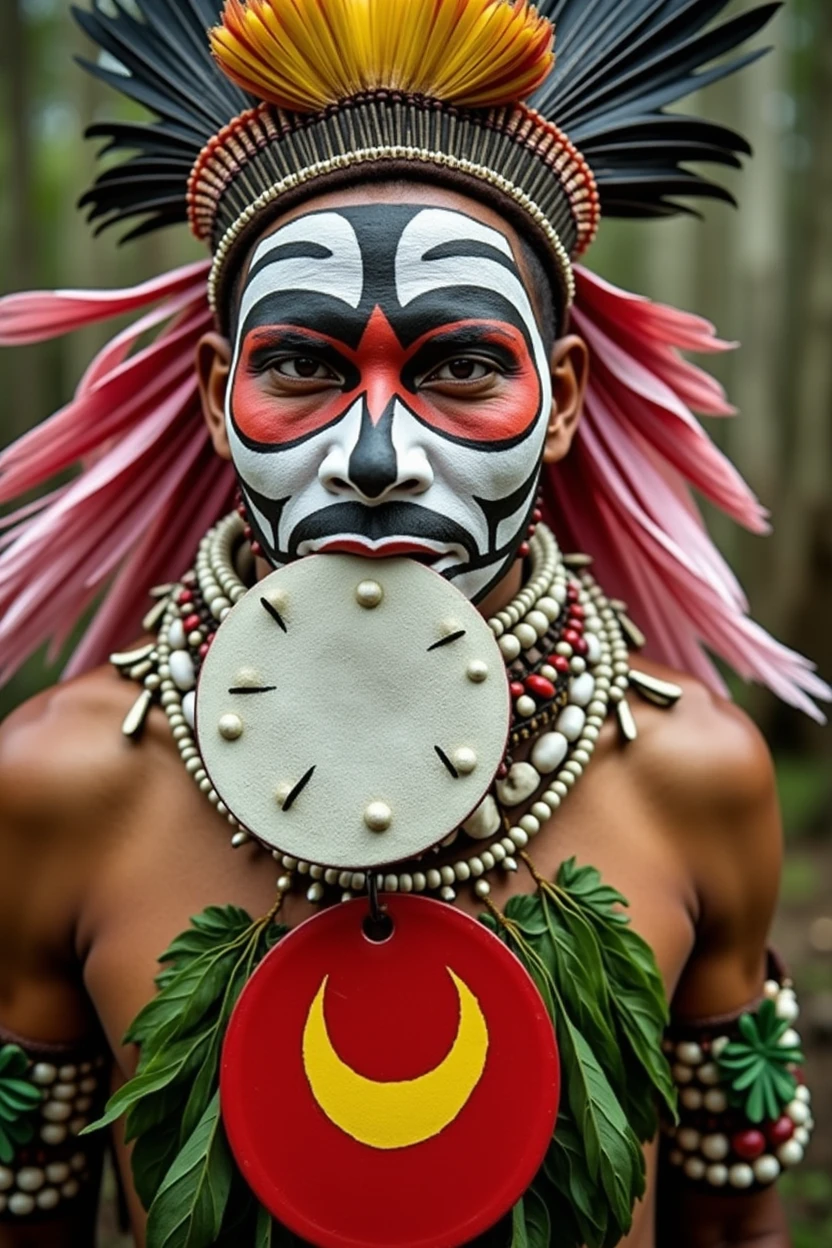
307 54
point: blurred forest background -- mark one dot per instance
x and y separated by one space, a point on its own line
764 275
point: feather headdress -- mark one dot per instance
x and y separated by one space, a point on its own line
255 105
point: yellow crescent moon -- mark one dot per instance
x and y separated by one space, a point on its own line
398 1113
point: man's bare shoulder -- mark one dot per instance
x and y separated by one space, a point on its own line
705 755
62 753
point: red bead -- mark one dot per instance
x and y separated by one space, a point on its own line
749 1144
571 636
581 647
256 549
187 595
576 612
517 689
502 771
523 552
537 515
540 687
191 623
248 532
572 592
780 1131
559 662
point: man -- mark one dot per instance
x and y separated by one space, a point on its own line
390 370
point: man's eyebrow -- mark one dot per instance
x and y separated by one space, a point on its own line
468 335
471 249
305 249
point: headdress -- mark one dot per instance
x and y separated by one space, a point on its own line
557 115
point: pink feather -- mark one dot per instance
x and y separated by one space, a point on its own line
624 493
135 436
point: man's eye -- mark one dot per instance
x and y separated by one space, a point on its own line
304 368
462 368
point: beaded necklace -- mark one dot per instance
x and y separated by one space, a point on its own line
566 648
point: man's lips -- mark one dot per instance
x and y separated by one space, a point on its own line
385 549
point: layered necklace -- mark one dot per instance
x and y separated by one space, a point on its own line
566 650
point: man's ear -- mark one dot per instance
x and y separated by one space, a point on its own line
213 365
570 373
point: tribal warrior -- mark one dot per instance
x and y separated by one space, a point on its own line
513 985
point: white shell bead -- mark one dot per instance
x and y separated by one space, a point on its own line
695 1168
21 1204
6 1178
582 690
688 1139
593 648
715 1147
798 1112
549 752
182 670
176 635
47 1199
509 647
691 1098
689 1053
526 635
44 1073
526 706
550 608
30 1179
741 1176
708 1074
189 709
538 622
485 820
766 1168
53 1133
520 783
571 722
716 1101
790 1153
56 1111
717 1175
786 1006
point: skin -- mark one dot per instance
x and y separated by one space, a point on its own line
118 849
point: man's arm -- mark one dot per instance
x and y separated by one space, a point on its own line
732 839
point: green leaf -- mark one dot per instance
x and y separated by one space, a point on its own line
585 884
538 1224
13 1062
218 925
189 1208
567 1170
519 1237
154 1152
183 1056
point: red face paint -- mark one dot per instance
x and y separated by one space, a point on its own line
268 412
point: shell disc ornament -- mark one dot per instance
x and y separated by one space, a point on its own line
395 1093
352 712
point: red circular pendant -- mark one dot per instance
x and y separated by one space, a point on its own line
400 1094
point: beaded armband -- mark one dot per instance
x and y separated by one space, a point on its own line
744 1111
48 1094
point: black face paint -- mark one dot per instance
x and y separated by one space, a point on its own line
390 391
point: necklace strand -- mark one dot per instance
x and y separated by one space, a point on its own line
566 654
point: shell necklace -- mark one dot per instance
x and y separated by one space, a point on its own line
566 648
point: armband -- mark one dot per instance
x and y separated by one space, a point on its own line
744 1111
48 1094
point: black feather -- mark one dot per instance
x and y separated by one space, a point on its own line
620 64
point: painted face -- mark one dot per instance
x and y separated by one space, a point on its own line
390 391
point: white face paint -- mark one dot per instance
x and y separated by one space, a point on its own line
390 391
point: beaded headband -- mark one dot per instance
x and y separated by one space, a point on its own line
261 103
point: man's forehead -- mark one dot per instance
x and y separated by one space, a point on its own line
380 238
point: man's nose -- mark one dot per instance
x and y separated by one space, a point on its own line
373 467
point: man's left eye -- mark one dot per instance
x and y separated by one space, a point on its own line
462 368
304 368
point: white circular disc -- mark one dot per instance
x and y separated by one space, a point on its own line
343 714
